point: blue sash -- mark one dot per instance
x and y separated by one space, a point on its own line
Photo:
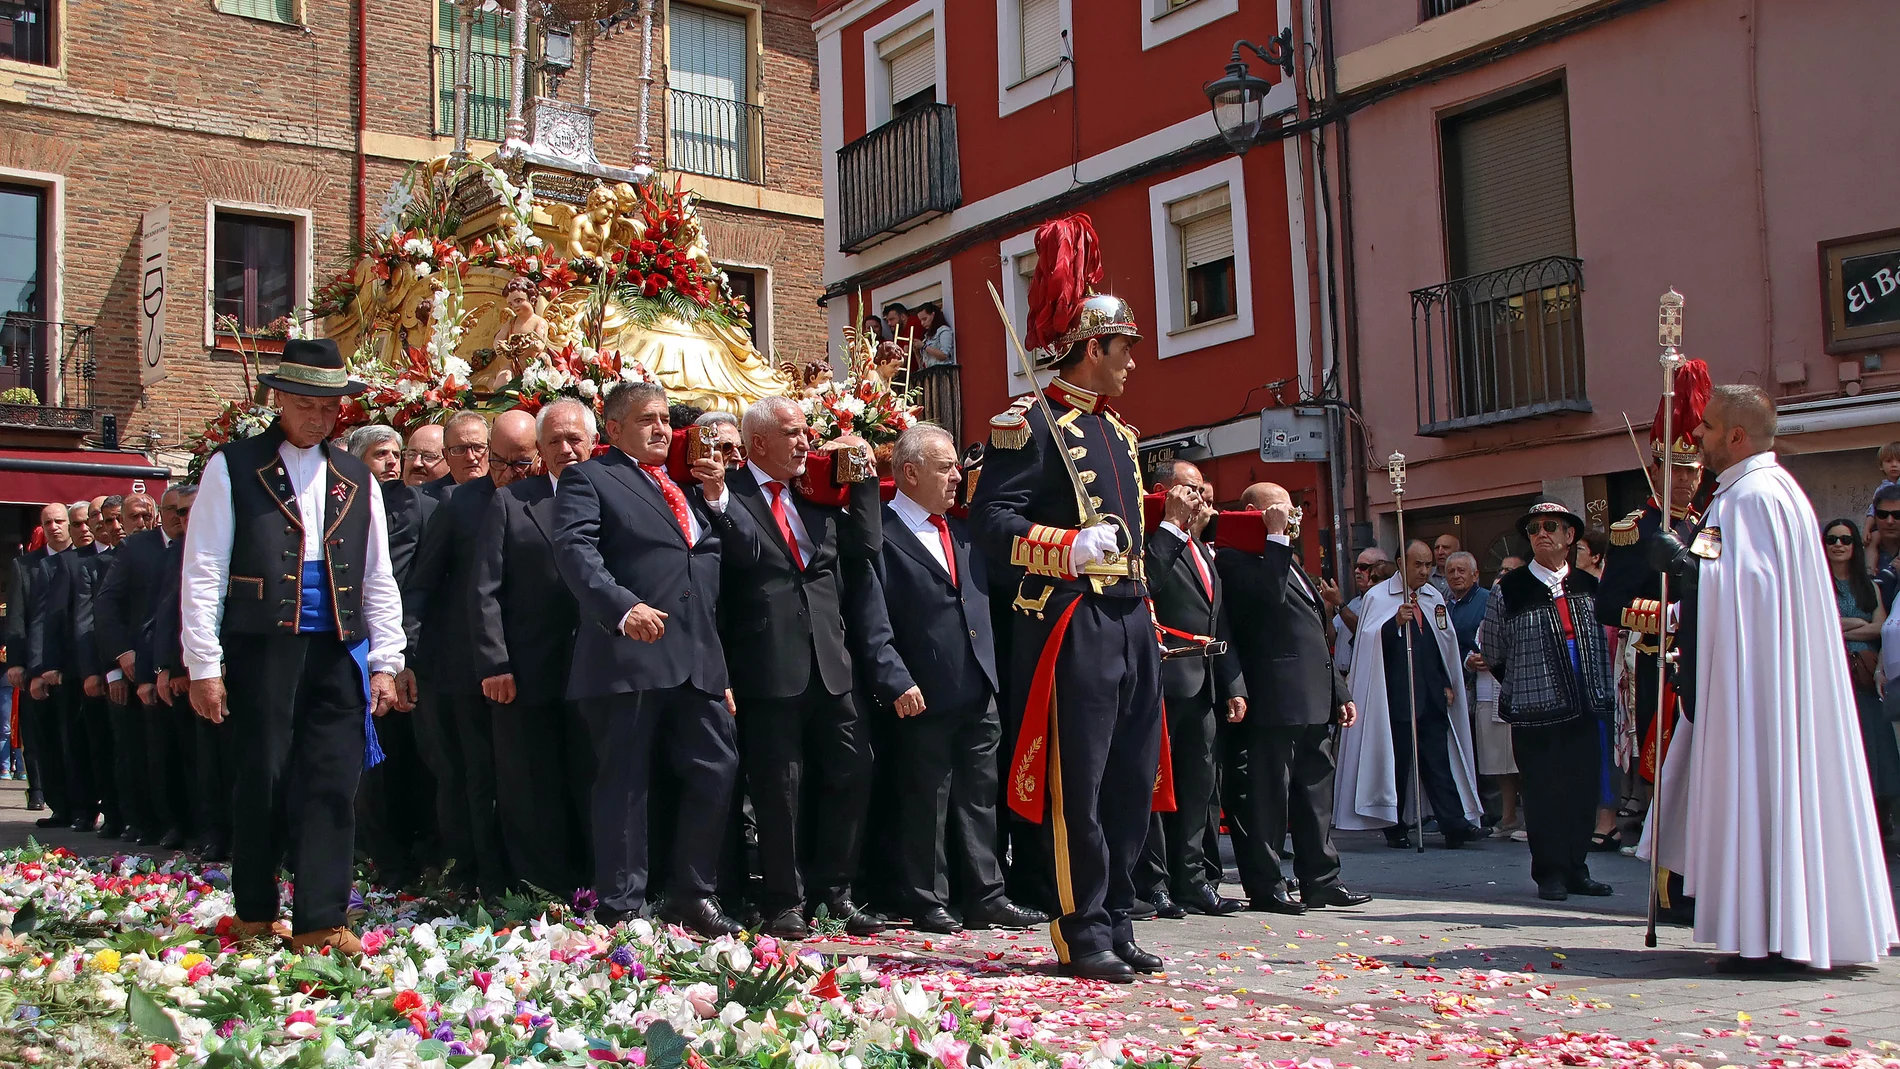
314 616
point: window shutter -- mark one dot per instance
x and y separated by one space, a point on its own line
914 69
1207 238
707 52
1041 22
1511 192
1026 263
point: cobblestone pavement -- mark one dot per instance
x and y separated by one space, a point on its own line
1455 960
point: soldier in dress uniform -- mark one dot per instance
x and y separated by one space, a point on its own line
1085 663
1628 595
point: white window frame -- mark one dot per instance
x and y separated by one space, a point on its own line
762 310
55 187
1172 336
304 222
877 78
936 275
1016 88
1160 25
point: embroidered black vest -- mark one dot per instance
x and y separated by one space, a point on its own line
266 592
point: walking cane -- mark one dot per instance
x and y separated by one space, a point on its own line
1669 336
1395 470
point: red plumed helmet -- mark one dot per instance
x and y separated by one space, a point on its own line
1068 263
1693 389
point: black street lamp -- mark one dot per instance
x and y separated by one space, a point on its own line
1239 98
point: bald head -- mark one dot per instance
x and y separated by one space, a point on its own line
1738 423
511 446
1260 496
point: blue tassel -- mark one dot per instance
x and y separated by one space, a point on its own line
372 753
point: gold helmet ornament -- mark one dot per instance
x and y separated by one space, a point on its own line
1063 305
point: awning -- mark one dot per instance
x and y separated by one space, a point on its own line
43 476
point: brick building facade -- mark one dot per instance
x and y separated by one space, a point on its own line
245 113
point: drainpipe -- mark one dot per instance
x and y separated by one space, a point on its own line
362 117
1345 268
1316 338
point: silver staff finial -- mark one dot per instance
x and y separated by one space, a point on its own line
1669 321
1395 470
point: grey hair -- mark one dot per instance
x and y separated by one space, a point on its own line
759 412
626 396
587 416
365 438
78 506
1466 557
910 445
462 417
716 417
112 501
1747 407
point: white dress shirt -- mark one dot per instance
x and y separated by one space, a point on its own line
917 520
207 566
1553 580
792 518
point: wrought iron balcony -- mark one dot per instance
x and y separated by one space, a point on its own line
489 79
46 373
1501 346
898 176
715 136
1431 9
940 392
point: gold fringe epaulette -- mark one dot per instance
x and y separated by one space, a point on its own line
1624 531
1009 429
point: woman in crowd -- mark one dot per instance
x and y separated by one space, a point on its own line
1861 620
939 346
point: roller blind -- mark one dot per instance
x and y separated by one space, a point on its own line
1207 238
708 52
914 69
1041 22
1509 186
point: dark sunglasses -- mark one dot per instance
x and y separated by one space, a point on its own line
1838 540
1888 514
1546 526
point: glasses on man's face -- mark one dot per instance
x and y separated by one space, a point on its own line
1361 566
1887 514
1546 527
417 454
1839 540
520 467
473 449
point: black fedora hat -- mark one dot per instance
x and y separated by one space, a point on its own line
312 367
1552 509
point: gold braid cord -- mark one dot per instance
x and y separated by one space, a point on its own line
1045 551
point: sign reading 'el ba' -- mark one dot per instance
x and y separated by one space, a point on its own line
1860 283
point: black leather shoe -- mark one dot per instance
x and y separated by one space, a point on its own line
1104 965
172 839
1137 958
1005 915
1142 910
1166 907
113 831
1552 892
788 924
1277 902
85 823
1467 834
57 820
1399 842
856 921
1335 895
610 917
701 915
1208 902
936 919
34 805
1589 888
216 850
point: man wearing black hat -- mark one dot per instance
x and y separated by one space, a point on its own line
287 591
1552 661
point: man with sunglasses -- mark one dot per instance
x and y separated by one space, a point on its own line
1884 546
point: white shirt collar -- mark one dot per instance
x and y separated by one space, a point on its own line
914 515
1553 580
163 538
759 475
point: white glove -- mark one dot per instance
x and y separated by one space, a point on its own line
1093 544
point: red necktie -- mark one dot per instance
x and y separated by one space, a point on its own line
949 551
1200 566
675 498
785 525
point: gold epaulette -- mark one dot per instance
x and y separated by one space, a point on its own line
1046 551
1643 616
1009 429
1624 531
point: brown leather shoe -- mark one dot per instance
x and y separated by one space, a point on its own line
342 940
259 929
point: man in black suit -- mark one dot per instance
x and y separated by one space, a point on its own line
214 756
441 628
1279 626
1172 872
66 660
41 744
154 759
947 730
799 599
642 559
524 648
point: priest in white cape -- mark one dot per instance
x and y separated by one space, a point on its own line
1375 767
1765 804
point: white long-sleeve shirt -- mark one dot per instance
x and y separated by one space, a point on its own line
207 565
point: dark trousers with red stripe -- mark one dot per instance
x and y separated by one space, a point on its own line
1104 751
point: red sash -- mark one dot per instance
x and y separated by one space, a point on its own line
1655 748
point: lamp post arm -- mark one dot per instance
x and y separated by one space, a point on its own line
1278 51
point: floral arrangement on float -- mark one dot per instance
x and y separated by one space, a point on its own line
875 400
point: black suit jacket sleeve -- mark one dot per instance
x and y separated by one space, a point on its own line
861 536
491 642
86 655
167 619
603 602
1229 681
116 621
868 619
51 616
19 608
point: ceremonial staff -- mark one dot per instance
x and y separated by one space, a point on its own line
1395 470
1669 336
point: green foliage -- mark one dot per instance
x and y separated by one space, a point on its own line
19 395
665 1047
146 1016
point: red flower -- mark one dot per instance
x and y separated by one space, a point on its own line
827 986
163 1057
406 1002
653 285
